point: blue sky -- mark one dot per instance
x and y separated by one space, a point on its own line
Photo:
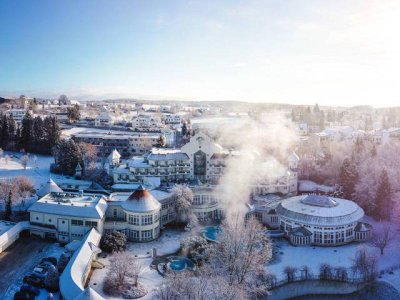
333 52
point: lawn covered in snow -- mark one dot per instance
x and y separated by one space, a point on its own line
38 170
168 243
340 256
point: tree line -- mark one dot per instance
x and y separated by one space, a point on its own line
34 134
366 173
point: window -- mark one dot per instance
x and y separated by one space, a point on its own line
133 220
318 237
77 222
147 220
147 234
91 223
133 234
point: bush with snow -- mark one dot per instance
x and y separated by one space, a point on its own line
113 242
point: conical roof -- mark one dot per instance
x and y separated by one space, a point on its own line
114 155
141 200
49 187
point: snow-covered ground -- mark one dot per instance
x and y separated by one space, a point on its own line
37 170
340 256
168 243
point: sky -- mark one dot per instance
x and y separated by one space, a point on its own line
342 52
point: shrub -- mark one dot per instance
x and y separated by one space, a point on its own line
113 242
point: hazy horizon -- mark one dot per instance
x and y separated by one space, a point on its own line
340 53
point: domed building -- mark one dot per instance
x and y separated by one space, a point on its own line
321 220
136 214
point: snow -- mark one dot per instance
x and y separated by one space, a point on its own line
168 243
84 206
340 256
38 172
4 226
71 284
54 250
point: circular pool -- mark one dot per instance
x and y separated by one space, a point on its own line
211 233
179 263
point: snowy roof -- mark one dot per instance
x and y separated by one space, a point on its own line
319 200
363 227
140 201
86 206
310 186
319 211
71 280
49 187
138 162
78 167
114 155
167 154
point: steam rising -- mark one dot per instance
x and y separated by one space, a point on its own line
259 154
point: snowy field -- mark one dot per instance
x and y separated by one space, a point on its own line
340 256
168 243
38 171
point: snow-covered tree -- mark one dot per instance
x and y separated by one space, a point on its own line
184 198
24 161
348 178
383 197
113 242
123 265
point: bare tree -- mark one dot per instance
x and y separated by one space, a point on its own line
24 161
89 155
325 272
364 265
382 237
123 265
241 251
290 273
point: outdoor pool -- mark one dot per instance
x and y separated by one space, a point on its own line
179 263
211 233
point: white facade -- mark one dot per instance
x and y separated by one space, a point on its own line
173 119
103 120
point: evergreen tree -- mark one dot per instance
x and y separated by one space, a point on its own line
184 129
67 156
26 140
8 208
322 121
373 151
383 199
316 109
348 177
37 136
74 113
51 133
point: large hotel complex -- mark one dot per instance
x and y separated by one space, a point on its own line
142 200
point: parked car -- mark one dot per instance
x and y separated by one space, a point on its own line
40 272
23 296
30 289
45 265
34 280
50 259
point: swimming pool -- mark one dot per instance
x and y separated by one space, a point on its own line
211 233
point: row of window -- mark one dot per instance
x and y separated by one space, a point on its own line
145 220
80 223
